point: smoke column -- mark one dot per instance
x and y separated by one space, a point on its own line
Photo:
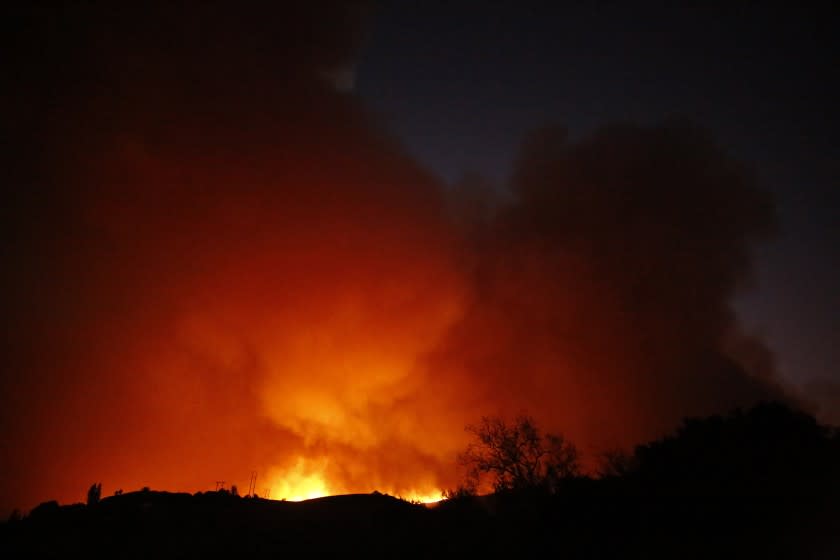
219 262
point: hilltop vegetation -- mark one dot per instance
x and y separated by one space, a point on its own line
764 483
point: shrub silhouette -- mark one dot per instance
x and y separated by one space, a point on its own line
460 492
616 463
767 450
44 510
94 493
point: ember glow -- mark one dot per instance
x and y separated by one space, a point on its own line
214 278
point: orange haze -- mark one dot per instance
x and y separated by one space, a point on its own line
218 263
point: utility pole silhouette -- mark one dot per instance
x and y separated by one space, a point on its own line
220 485
268 493
252 483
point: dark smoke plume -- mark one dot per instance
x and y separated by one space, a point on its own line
603 290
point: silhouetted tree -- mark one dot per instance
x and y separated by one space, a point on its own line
769 449
94 493
616 463
517 456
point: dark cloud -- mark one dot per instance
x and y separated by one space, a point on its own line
603 291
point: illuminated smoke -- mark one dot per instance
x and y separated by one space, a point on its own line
220 263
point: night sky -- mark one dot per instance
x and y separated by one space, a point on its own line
317 240
463 82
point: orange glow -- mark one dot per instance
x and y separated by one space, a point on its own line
303 481
306 479
215 274
431 498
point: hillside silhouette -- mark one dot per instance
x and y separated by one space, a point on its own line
762 483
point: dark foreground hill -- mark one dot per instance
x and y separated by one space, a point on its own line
762 484
149 524
589 520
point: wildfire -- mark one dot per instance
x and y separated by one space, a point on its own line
303 481
307 479
261 279
424 498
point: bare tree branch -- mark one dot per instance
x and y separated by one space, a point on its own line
518 456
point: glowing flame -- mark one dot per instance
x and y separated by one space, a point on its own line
303 481
424 498
307 479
